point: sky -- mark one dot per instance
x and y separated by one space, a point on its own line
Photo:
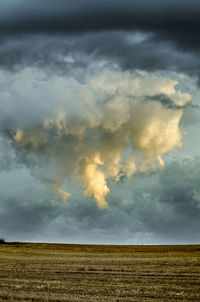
99 121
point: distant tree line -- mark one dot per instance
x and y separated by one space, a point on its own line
2 240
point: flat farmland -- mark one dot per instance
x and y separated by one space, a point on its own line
61 272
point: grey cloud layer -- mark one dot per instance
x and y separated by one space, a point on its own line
128 50
162 208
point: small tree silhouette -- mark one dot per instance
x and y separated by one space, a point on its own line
2 240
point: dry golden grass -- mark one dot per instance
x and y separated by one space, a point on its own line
56 272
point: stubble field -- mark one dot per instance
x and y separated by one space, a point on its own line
58 272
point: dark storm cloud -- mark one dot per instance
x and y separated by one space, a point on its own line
21 16
44 32
176 21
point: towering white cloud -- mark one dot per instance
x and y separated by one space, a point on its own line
105 125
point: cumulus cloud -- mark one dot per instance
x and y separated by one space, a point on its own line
98 128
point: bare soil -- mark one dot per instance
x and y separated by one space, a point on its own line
59 272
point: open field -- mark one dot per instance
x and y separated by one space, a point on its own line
58 272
